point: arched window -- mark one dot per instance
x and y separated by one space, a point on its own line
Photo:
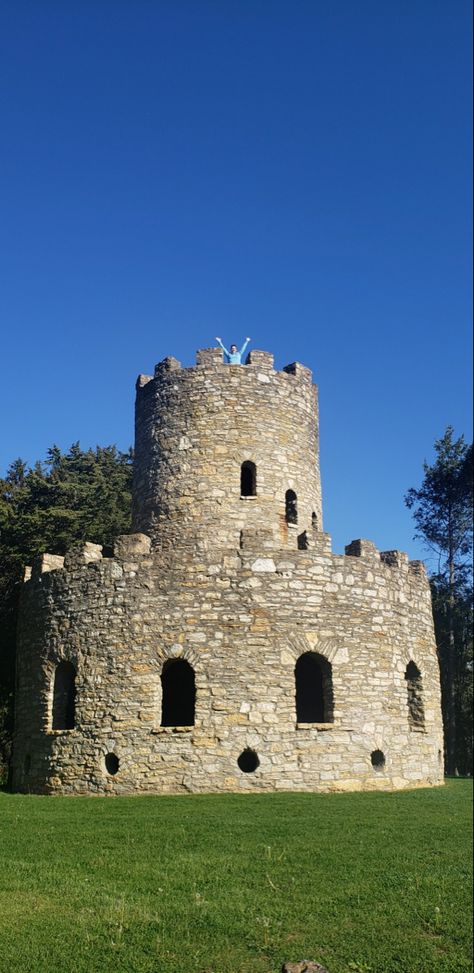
291 507
314 520
416 713
248 479
64 697
179 693
314 695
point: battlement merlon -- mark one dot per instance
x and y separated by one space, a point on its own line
143 380
367 551
263 361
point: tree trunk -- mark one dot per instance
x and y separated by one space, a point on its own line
450 728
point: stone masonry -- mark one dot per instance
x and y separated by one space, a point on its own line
224 647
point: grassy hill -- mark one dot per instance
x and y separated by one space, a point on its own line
364 883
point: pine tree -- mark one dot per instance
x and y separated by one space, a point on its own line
442 510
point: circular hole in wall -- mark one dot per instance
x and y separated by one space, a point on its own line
248 761
112 763
378 759
27 764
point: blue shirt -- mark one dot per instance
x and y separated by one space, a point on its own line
233 357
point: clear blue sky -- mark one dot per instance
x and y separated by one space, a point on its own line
297 171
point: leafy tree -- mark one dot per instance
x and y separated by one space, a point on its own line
73 496
453 622
442 510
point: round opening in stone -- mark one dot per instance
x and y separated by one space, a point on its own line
378 759
112 763
248 761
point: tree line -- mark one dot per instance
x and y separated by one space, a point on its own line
86 495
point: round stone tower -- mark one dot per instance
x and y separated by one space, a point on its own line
224 646
224 448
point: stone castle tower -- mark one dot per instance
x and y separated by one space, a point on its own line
224 647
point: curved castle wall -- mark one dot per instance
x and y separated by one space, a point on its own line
233 598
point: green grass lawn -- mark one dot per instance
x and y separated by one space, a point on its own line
236 883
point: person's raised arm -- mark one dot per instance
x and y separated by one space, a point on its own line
244 346
224 349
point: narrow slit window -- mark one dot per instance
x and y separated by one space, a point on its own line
248 479
291 507
64 697
179 693
314 693
416 711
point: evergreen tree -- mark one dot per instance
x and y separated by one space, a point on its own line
75 496
442 510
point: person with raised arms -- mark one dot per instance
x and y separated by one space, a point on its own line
233 357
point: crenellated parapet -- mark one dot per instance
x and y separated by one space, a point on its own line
388 574
126 547
368 552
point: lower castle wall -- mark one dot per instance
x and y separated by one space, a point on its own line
242 619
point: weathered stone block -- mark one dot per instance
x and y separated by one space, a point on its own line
417 568
82 554
45 563
169 364
263 359
300 371
395 559
209 356
143 380
131 545
362 548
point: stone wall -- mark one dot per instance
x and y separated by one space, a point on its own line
241 618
